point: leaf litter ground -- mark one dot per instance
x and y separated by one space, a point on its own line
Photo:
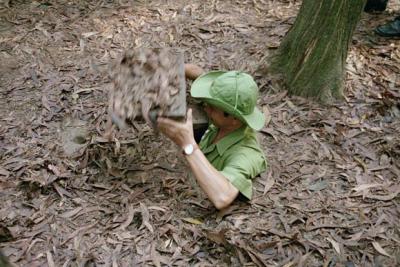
68 197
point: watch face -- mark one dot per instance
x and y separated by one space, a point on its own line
188 149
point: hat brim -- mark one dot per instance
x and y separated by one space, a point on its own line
201 89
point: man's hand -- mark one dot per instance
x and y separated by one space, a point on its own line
193 71
181 133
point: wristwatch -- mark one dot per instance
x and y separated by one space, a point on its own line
189 149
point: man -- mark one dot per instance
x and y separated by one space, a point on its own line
390 29
375 5
228 155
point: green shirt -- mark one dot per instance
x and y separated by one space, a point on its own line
237 156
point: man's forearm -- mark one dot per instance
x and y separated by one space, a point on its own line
217 187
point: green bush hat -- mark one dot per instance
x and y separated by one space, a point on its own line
233 92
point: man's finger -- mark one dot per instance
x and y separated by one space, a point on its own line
165 121
189 116
161 125
165 128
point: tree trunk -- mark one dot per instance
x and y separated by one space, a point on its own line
311 58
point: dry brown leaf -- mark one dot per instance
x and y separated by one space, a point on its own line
290 264
146 217
155 256
4 172
365 186
129 219
217 236
267 115
268 181
387 197
303 260
335 244
46 103
61 191
71 213
6 184
379 248
192 221
50 260
356 236
77 231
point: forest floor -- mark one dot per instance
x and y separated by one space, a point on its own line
68 197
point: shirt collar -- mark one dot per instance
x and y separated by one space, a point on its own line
231 139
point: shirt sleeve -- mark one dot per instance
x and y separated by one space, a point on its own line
243 166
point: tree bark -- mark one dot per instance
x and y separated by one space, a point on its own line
311 58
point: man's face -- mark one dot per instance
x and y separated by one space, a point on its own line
220 118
